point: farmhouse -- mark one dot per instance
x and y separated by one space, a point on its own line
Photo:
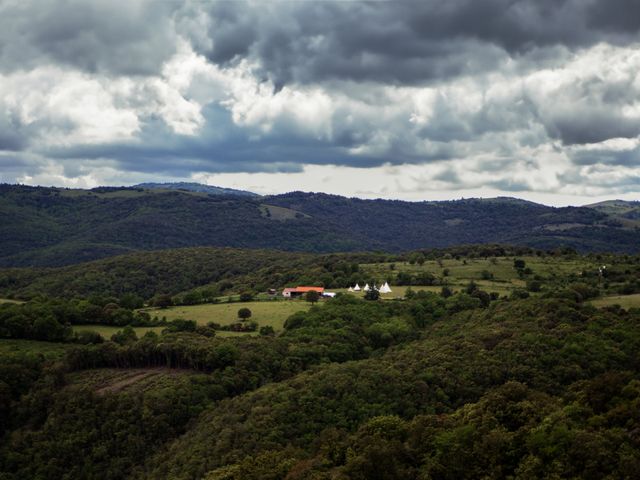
299 291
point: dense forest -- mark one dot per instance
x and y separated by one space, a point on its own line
540 381
53 226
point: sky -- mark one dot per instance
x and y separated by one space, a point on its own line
424 100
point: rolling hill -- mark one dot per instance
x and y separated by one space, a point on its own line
53 226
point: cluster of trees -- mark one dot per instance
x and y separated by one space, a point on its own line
51 319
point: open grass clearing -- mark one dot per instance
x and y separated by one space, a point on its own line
398 291
472 269
625 301
272 313
107 330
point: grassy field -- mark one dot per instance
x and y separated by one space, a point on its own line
461 272
107 330
625 301
48 349
272 313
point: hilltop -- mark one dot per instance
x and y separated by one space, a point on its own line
195 187
42 226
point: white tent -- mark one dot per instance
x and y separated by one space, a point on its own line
367 287
356 288
351 289
385 288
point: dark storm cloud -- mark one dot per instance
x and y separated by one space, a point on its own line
222 148
96 36
406 41
627 158
293 83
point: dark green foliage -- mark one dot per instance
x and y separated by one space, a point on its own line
455 386
208 272
89 337
244 313
267 331
524 388
246 296
372 294
312 296
181 325
52 226
163 301
124 336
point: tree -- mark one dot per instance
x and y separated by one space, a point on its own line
372 295
244 314
124 336
267 331
312 296
246 296
163 301
519 264
131 301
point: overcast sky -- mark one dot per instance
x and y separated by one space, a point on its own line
433 99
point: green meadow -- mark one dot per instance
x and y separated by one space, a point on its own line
272 313
494 274
107 330
625 301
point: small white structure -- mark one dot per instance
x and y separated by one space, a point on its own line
385 288
367 287
351 289
329 294
356 288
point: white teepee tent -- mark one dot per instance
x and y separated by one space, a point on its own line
351 289
356 288
385 288
367 287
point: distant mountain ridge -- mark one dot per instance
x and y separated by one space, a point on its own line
42 226
195 187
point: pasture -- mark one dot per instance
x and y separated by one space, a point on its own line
272 313
625 301
494 274
107 330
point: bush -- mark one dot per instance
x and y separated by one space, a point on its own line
246 296
89 337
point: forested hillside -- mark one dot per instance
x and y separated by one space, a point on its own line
486 361
53 226
424 388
